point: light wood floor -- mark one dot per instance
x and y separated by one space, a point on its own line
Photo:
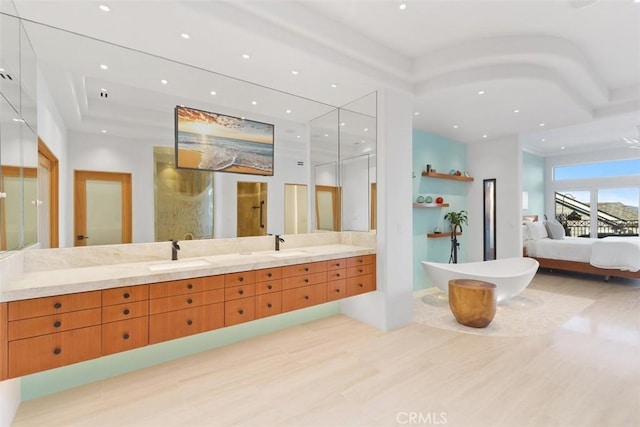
339 372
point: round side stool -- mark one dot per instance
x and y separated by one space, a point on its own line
473 302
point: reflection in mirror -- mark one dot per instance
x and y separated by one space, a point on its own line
183 200
324 155
295 209
252 209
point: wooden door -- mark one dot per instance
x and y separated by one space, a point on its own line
102 208
47 197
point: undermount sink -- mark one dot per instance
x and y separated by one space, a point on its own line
172 265
284 254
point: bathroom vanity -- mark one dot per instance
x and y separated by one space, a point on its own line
52 318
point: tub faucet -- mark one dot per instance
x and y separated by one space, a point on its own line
174 250
278 241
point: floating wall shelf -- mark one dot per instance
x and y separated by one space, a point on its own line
441 235
447 176
431 205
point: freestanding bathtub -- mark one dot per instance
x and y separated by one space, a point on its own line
510 275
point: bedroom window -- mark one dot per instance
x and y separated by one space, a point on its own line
618 212
573 210
626 167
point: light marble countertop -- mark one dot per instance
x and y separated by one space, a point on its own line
45 283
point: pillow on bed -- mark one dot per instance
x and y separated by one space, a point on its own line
555 230
537 230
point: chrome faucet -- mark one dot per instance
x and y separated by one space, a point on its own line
174 250
278 241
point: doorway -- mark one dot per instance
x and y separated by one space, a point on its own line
47 197
252 209
327 208
102 208
295 208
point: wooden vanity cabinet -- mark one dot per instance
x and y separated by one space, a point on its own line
304 285
239 301
361 277
185 307
125 318
268 288
50 332
4 343
336 279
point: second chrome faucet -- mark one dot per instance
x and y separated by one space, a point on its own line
278 241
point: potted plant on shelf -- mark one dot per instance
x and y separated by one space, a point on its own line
456 219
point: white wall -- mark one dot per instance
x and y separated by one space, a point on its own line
355 193
502 160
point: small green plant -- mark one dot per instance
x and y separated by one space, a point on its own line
456 219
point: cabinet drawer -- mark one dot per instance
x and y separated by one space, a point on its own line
53 305
239 311
53 350
3 341
360 260
360 284
125 294
129 310
242 291
36 326
306 280
270 286
177 287
178 302
241 278
337 274
301 269
294 299
268 274
336 289
336 264
125 335
181 323
360 270
268 304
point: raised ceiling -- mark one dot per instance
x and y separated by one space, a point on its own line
571 69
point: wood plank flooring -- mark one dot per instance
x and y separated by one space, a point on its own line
340 372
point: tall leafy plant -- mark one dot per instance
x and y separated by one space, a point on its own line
456 219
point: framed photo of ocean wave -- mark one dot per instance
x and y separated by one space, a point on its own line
220 143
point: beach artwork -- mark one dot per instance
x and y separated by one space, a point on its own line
220 143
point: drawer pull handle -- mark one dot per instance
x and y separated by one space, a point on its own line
57 351
240 292
306 280
306 297
306 269
57 324
337 291
126 312
337 264
57 305
125 336
241 311
189 322
360 271
126 295
269 287
241 279
269 274
269 305
189 286
337 274
361 285
189 301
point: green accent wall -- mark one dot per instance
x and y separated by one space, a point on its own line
59 379
442 154
533 170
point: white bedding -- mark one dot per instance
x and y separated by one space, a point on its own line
619 253
622 253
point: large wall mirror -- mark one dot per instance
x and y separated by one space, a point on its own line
106 108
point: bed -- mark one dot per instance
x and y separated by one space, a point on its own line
610 256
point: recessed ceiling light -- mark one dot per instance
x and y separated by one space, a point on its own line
164 82
102 89
543 140
541 125
366 129
103 131
417 113
1 70
184 35
297 136
288 111
18 120
104 67
254 102
246 56
294 72
456 126
104 8
484 136
516 111
333 85
402 6
562 148
342 124
213 92
326 134
480 92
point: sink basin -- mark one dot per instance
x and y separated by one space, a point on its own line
284 254
173 265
